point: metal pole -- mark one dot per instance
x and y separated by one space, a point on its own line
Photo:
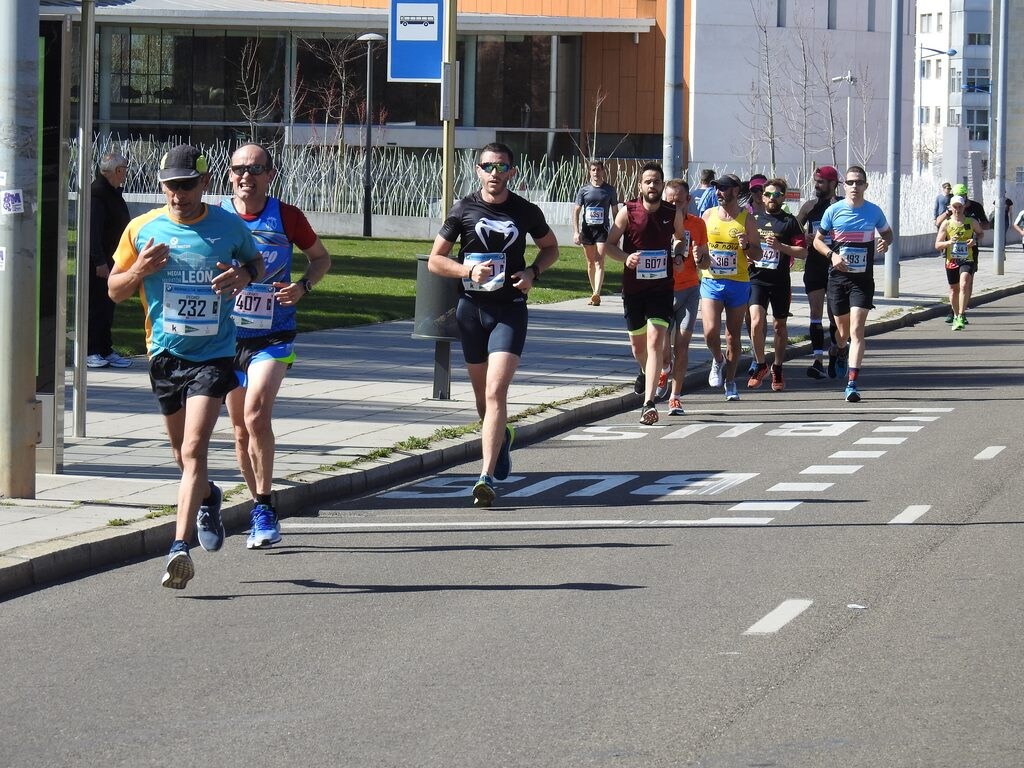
892 256
19 311
448 121
999 242
919 106
672 128
850 80
368 160
87 28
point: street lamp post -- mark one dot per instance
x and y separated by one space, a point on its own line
850 79
369 38
921 56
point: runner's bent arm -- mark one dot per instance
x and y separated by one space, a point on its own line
611 246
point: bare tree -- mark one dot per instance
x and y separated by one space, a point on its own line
870 139
257 103
762 120
799 105
335 95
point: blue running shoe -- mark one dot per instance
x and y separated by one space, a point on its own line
483 492
503 466
209 524
843 362
265 531
180 569
852 393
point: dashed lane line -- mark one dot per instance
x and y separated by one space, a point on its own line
800 487
991 452
858 454
832 469
778 618
909 515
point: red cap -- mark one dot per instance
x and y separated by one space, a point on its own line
828 172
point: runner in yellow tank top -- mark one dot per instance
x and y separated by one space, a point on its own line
728 257
956 239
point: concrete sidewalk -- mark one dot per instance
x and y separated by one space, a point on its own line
357 390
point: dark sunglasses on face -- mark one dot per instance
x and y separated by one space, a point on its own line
255 169
492 167
773 195
182 185
854 182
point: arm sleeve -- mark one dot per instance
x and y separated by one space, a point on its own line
296 227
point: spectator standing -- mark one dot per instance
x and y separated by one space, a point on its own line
942 199
598 203
108 218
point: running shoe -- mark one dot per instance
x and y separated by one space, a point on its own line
730 391
958 323
503 466
265 530
180 568
757 374
715 378
675 407
832 354
114 360
96 361
852 394
483 492
778 382
648 414
662 390
640 383
209 524
816 370
842 361
595 300
966 321
950 317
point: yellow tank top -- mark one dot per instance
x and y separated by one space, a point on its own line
728 262
957 252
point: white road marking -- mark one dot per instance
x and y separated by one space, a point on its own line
916 418
765 506
831 469
880 441
442 525
858 455
800 487
930 410
910 514
898 428
780 617
991 452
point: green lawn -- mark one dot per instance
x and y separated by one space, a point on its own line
375 280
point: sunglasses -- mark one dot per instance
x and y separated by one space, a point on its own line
492 167
256 169
773 195
854 182
182 185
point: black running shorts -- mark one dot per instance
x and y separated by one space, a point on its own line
487 326
174 380
845 292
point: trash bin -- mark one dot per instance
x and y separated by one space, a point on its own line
436 298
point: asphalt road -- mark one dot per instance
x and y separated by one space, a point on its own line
789 580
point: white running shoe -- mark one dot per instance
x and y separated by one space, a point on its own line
730 391
715 376
116 361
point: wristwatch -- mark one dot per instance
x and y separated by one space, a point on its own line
536 273
306 285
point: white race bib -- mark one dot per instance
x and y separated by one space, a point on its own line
497 280
653 265
769 257
593 214
254 307
191 310
961 253
724 261
856 258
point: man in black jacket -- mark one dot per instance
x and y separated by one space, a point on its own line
108 218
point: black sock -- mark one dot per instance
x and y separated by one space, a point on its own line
263 498
817 338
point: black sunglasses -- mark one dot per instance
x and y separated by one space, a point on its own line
854 182
255 169
182 185
492 167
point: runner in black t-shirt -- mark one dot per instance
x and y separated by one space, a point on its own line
781 241
491 227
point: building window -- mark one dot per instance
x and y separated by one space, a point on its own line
780 14
978 80
977 124
924 117
833 14
955 80
938 22
938 115
953 118
926 68
938 69
979 38
871 15
1020 174
926 23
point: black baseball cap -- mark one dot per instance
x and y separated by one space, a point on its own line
182 162
727 180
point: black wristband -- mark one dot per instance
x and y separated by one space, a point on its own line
251 268
536 273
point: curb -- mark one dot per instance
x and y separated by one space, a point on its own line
44 563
